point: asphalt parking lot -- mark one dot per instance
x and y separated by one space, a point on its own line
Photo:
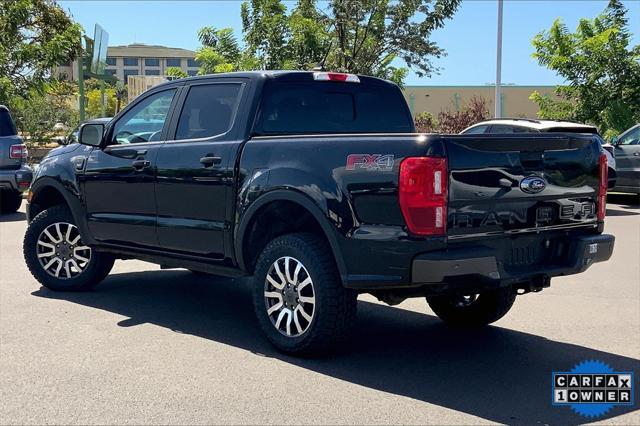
152 346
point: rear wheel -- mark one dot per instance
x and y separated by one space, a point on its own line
299 300
10 201
56 255
473 310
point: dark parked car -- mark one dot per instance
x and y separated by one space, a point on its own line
627 149
317 186
15 175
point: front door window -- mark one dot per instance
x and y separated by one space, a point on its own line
145 121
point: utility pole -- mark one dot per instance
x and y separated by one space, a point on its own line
498 102
81 83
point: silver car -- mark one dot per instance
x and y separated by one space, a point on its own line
627 150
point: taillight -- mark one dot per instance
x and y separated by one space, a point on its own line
336 76
423 194
18 151
604 183
610 149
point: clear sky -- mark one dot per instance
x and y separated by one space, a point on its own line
469 38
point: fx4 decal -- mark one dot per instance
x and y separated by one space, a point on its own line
381 162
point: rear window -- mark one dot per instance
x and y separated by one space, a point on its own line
7 127
331 107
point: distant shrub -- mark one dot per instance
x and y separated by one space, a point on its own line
425 122
456 121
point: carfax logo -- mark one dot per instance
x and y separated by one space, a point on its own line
592 388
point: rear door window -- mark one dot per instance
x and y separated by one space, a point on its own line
208 110
314 107
7 127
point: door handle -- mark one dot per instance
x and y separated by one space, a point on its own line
209 160
140 165
637 154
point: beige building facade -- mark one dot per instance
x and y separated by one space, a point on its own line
140 59
515 99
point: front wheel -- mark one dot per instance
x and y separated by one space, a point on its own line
299 300
56 255
475 309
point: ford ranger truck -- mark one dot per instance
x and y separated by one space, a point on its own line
315 185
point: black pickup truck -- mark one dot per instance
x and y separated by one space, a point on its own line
315 184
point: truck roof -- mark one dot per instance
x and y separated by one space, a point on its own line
282 75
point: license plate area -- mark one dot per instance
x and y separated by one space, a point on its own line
527 253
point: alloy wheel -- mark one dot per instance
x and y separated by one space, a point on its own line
289 296
61 252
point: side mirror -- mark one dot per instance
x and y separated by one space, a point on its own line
62 141
91 134
614 140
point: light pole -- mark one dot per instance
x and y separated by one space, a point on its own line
498 102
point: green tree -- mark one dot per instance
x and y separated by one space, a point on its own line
38 111
310 39
94 106
425 122
266 30
371 34
553 108
176 72
373 37
220 51
601 68
35 36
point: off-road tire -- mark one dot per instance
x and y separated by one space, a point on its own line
10 201
489 307
335 306
96 270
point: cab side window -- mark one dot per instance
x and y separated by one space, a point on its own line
208 110
145 121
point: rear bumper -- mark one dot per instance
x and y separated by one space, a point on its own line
16 179
484 265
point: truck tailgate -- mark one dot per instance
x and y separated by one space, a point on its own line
520 183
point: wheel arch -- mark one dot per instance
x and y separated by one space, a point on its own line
253 212
47 192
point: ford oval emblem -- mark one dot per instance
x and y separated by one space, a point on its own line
532 184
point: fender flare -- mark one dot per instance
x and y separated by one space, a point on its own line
305 202
72 201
